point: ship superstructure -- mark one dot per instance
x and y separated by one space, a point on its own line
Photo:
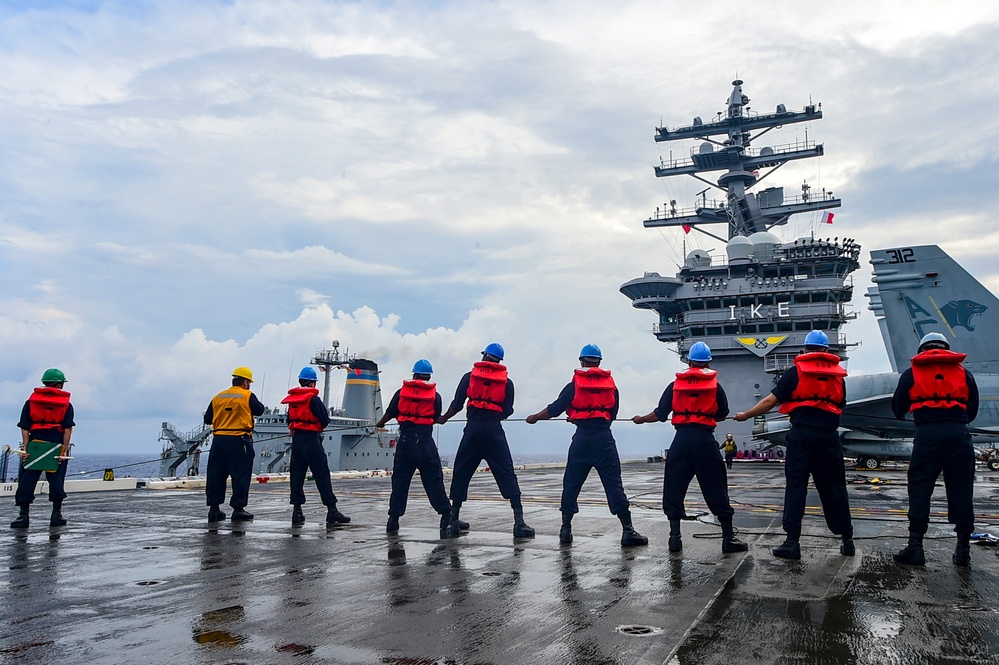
351 440
754 305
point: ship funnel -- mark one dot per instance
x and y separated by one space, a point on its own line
362 393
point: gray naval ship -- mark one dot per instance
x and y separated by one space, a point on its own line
753 305
351 441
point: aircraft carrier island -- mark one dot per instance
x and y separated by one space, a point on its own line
135 577
754 305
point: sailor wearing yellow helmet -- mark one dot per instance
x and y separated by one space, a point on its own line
231 414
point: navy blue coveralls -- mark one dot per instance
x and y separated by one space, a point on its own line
416 450
813 448
308 454
231 456
592 446
27 479
942 443
694 452
483 439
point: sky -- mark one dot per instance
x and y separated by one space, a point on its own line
186 187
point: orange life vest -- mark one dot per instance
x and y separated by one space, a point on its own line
47 407
231 414
416 402
300 416
939 381
487 386
695 397
820 383
594 394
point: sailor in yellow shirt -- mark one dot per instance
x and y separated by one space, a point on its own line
231 415
731 449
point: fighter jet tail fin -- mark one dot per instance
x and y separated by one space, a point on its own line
922 289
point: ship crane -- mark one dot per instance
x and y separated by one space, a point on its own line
179 447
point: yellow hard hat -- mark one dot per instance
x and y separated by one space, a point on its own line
243 373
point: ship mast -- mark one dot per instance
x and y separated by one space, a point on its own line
326 360
744 212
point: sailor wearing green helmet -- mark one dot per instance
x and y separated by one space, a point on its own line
47 416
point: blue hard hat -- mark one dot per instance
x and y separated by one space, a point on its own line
591 351
817 338
494 349
933 337
308 374
423 366
700 352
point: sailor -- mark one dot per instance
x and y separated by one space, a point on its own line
47 416
307 418
195 468
489 392
942 396
416 406
730 449
697 402
591 402
813 393
231 414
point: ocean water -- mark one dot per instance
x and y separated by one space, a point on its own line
85 466
146 465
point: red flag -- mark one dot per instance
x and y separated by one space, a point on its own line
686 228
827 218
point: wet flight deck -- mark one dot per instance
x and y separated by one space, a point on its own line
137 577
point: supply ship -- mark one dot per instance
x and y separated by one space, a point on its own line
351 440
754 304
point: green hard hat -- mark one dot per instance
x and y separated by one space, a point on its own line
53 376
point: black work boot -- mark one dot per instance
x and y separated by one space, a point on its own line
216 514
730 543
334 516
241 515
393 524
454 524
565 533
847 548
962 553
912 554
675 542
57 519
630 537
789 549
520 528
297 516
21 522
446 526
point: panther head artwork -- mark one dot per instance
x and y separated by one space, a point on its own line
959 313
